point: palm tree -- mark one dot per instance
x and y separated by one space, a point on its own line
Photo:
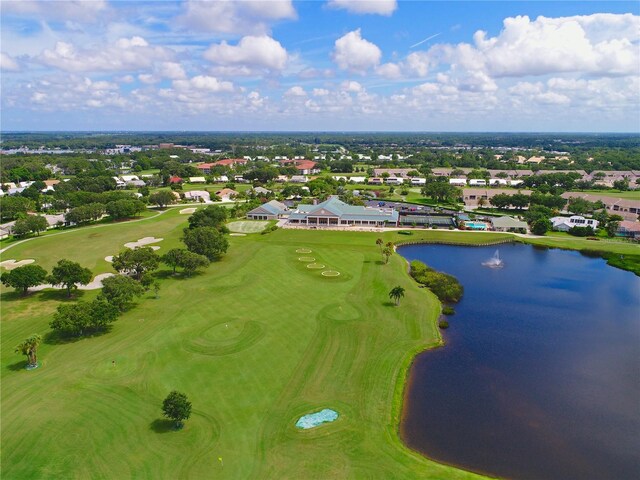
386 253
379 242
29 348
397 293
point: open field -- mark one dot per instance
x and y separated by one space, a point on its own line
255 342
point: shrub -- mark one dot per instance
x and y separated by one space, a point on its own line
443 324
448 310
446 287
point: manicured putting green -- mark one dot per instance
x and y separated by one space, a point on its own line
315 265
303 250
247 226
307 259
330 273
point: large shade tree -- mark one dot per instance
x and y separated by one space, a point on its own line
206 241
136 262
176 407
22 278
120 290
69 274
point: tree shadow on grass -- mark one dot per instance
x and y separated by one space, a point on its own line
60 295
389 304
57 338
16 367
161 425
164 274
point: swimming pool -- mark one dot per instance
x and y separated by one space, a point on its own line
476 225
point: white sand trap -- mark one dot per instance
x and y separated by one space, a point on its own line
143 242
155 247
237 234
303 250
11 264
315 265
94 284
306 259
187 211
109 258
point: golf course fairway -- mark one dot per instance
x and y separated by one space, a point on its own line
255 342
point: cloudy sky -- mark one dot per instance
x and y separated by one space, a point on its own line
332 65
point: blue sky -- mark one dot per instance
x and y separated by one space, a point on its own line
320 65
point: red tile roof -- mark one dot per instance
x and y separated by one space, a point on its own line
231 161
175 180
301 164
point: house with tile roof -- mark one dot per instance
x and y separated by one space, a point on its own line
334 212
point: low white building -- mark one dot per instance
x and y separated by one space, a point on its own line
299 179
563 224
197 180
460 182
498 182
477 182
394 181
418 181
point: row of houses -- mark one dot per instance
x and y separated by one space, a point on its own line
303 166
599 177
11 188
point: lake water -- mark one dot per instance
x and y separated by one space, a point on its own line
540 374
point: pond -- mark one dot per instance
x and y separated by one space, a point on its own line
540 374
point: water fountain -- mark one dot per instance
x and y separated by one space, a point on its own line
494 262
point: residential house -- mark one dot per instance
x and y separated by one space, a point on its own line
197 180
231 162
226 194
629 229
304 167
508 224
564 224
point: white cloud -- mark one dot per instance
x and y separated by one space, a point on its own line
296 91
171 70
126 54
7 63
320 92
354 53
227 16
378 7
351 86
261 52
203 83
598 44
64 10
391 71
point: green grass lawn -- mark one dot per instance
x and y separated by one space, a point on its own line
628 195
255 342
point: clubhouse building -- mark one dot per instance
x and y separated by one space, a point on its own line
334 212
272 210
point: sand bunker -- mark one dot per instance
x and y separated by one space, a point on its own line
315 265
11 264
95 284
311 420
303 250
143 242
187 211
306 259
109 258
237 234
